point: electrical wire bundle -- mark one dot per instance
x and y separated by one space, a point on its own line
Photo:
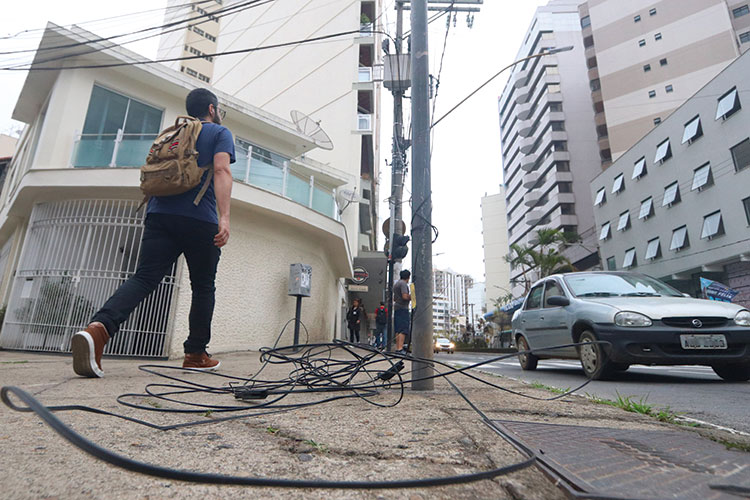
331 371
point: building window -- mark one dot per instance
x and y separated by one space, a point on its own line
611 264
605 232
702 177
741 155
588 41
652 12
741 11
637 19
746 206
555 107
647 208
663 62
113 119
653 249
595 85
191 72
585 21
680 239
671 194
646 68
629 260
663 152
641 43
713 226
553 88
669 88
619 184
651 94
729 104
657 36
624 223
564 187
693 130
639 168
559 146
562 166
745 37
557 126
657 120
601 197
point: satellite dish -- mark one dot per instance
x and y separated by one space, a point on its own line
346 197
309 127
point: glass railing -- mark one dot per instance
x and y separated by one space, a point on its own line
111 150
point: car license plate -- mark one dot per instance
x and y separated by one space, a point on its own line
703 341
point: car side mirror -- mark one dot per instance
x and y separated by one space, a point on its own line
687 295
558 300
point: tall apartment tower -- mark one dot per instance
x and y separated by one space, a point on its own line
645 58
335 82
549 145
199 38
454 289
495 245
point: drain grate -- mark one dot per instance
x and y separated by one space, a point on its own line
635 463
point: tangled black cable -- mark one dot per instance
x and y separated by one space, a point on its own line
333 370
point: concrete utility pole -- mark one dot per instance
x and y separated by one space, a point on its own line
397 172
421 219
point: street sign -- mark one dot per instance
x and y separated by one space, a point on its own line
387 227
358 288
360 275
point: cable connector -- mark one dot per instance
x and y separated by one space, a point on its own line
247 393
391 372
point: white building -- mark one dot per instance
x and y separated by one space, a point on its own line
70 232
451 289
334 81
495 245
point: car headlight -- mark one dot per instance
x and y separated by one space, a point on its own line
634 319
453 345
742 318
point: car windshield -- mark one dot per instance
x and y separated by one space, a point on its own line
615 285
443 341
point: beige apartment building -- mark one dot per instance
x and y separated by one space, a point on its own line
495 246
335 82
645 58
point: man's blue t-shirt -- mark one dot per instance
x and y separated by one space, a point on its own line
212 139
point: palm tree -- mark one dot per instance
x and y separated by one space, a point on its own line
542 257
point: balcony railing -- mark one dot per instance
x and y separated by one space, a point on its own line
130 150
111 150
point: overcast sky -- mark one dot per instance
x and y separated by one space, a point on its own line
466 161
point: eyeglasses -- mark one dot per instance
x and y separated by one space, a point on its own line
222 112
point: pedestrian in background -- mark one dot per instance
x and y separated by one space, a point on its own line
354 320
381 320
401 319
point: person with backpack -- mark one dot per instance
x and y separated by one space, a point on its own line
381 319
181 218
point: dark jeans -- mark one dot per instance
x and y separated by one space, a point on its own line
380 334
165 238
354 333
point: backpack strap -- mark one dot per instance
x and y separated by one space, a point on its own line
206 183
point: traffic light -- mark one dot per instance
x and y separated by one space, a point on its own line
399 246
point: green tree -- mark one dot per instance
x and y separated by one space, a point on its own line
542 257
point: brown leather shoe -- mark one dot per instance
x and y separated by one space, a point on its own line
88 346
200 361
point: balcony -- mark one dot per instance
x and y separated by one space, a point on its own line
530 179
523 111
521 78
526 145
525 128
532 198
523 96
528 162
534 216
111 150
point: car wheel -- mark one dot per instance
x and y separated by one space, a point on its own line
594 360
733 373
527 360
451 352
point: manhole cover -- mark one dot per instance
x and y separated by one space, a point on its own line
635 463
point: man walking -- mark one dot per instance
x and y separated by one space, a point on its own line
401 300
174 226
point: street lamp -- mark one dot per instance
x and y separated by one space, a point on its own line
532 56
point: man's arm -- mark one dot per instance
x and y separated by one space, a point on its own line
223 190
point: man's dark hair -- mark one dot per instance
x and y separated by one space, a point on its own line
197 102
382 303
405 274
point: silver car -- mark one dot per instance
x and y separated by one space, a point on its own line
643 321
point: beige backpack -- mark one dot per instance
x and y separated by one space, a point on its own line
172 163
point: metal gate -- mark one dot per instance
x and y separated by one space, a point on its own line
76 254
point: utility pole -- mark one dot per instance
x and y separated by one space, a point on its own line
421 219
398 157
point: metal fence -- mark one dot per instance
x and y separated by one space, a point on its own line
75 255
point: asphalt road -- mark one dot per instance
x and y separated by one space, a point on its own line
691 391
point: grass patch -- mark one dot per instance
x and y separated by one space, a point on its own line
208 413
556 390
319 447
633 405
731 445
13 362
272 430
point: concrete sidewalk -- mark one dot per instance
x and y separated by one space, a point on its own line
426 435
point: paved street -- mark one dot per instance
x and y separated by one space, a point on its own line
692 391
